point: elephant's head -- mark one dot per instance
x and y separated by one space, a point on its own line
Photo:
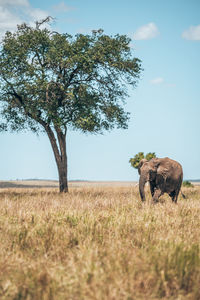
147 170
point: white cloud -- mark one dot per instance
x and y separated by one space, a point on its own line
192 33
37 14
14 2
13 12
84 30
161 81
8 20
62 7
157 80
146 32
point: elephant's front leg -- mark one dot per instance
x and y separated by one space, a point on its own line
157 194
152 188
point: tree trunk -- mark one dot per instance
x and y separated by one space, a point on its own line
63 182
62 165
60 154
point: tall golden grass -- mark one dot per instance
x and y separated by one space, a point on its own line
98 243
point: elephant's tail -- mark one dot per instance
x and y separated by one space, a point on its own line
183 195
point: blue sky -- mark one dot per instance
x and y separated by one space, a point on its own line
165 106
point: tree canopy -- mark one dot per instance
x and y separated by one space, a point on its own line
69 81
51 81
139 156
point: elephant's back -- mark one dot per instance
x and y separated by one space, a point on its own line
174 168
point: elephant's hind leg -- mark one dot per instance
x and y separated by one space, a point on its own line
174 196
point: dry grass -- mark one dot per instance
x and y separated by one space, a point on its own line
98 243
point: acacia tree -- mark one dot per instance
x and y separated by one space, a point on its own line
52 82
134 161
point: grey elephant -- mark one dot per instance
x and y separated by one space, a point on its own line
164 175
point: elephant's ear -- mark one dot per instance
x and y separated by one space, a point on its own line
141 164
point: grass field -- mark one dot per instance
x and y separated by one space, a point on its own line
98 242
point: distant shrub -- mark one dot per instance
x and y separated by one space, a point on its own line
187 183
139 156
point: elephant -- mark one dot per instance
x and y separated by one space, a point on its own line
164 175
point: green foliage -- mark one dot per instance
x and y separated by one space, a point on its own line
136 159
139 156
150 155
187 183
53 79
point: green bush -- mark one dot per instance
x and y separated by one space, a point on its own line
139 156
187 183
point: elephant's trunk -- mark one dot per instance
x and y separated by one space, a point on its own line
142 182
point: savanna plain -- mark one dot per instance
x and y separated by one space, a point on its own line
98 242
